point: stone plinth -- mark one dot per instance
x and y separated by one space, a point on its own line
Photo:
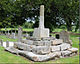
41 32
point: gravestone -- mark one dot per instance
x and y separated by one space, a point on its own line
65 36
7 43
13 36
8 34
19 34
41 32
1 42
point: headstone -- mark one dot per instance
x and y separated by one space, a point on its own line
41 31
1 42
7 43
19 34
27 35
8 33
13 35
65 36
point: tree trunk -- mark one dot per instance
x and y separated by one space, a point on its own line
68 23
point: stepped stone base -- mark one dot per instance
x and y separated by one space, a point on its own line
38 57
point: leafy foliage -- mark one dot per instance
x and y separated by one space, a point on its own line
57 12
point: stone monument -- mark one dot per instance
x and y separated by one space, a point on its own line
41 31
19 34
41 47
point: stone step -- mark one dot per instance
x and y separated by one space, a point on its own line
56 42
42 43
55 48
73 50
65 53
64 46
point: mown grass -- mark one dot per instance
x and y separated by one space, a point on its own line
6 57
31 29
4 38
24 29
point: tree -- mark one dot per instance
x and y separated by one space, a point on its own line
15 12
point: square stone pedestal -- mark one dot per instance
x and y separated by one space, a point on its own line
41 32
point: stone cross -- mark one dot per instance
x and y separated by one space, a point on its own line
41 31
19 34
41 23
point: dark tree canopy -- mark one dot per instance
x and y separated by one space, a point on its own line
15 12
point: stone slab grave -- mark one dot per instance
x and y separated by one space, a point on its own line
41 47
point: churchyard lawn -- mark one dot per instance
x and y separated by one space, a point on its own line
6 57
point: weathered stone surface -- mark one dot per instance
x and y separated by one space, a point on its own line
29 42
21 45
34 57
13 36
48 38
73 49
41 31
41 49
66 53
19 34
7 43
12 50
65 36
55 48
34 39
25 47
1 41
42 43
65 46
38 43
58 53
56 42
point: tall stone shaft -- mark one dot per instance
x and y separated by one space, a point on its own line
41 31
41 22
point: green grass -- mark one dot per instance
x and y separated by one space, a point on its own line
30 29
57 30
6 57
4 38
24 29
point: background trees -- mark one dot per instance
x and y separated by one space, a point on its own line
57 13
